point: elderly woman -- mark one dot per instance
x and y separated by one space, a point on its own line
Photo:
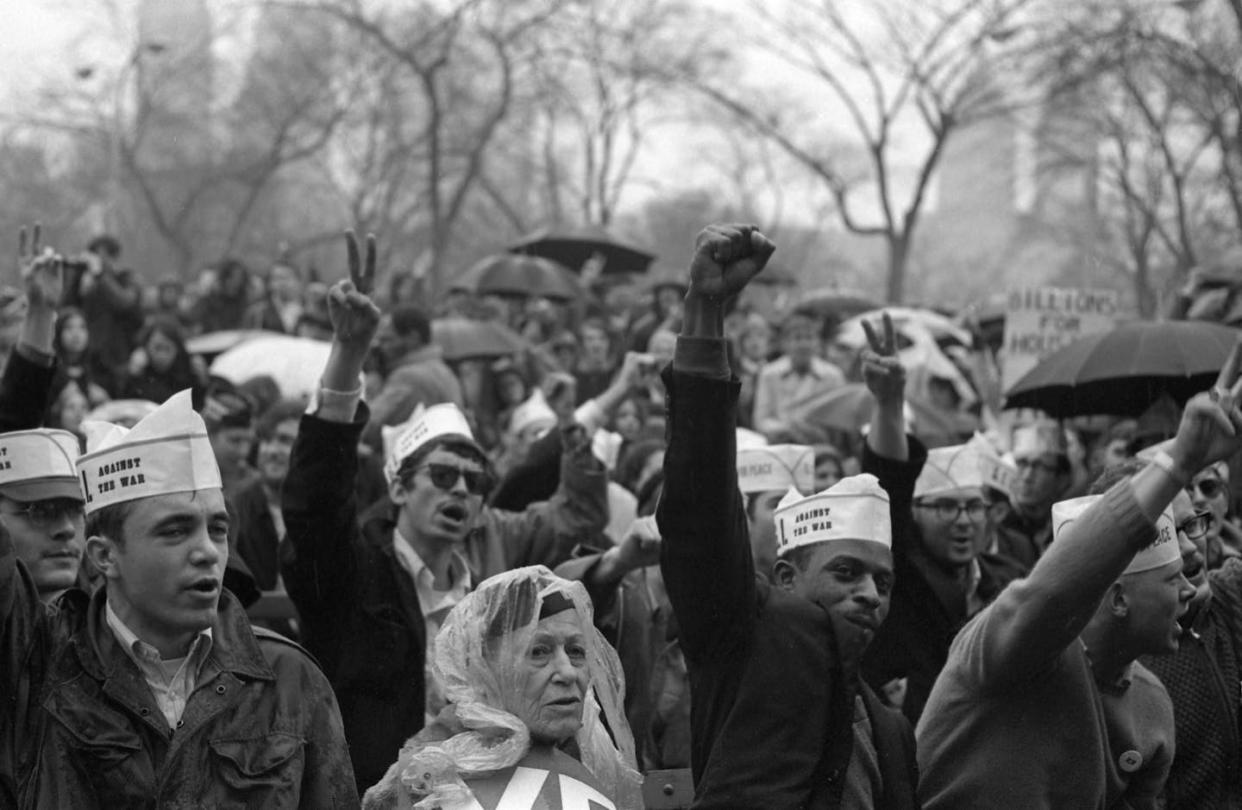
535 707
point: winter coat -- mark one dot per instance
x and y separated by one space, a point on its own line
358 607
81 728
772 706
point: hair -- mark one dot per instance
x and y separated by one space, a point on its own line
801 316
631 464
62 321
1118 472
799 556
453 444
282 411
262 391
410 319
105 245
109 521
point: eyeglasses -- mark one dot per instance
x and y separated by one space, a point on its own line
1024 464
1196 526
1208 488
445 476
948 509
49 512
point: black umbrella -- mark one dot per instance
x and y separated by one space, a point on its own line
509 274
1124 371
467 339
574 246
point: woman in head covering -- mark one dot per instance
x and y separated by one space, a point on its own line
535 704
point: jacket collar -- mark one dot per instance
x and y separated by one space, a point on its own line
234 648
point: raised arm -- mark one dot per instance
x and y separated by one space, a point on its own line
26 387
1035 619
318 497
545 533
705 556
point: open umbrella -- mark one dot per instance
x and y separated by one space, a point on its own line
295 363
214 343
1124 371
827 301
467 339
848 407
509 274
574 246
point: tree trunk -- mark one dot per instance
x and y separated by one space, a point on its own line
898 259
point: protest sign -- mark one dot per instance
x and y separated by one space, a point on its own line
1041 320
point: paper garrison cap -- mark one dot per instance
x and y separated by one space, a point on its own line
854 508
534 412
1163 550
425 424
166 452
973 464
1039 438
777 466
37 465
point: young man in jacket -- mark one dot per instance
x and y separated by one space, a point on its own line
155 691
371 594
779 717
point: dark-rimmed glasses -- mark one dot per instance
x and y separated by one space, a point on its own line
948 509
445 476
1196 526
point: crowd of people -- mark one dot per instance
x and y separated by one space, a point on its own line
528 580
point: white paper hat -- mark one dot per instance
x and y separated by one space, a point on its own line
972 464
777 466
37 465
747 438
1039 438
534 412
425 424
166 452
854 508
1163 550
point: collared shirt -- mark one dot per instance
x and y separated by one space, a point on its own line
435 605
779 388
172 681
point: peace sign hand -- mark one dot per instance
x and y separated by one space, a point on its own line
1211 427
355 317
882 370
41 269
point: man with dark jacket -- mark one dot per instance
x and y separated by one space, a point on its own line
370 595
779 718
155 691
940 528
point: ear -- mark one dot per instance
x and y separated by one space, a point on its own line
397 491
103 553
1116 601
785 574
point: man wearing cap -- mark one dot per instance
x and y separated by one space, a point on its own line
371 594
779 717
156 689
1044 476
1041 703
941 524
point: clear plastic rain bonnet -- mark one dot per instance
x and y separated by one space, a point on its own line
477 653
